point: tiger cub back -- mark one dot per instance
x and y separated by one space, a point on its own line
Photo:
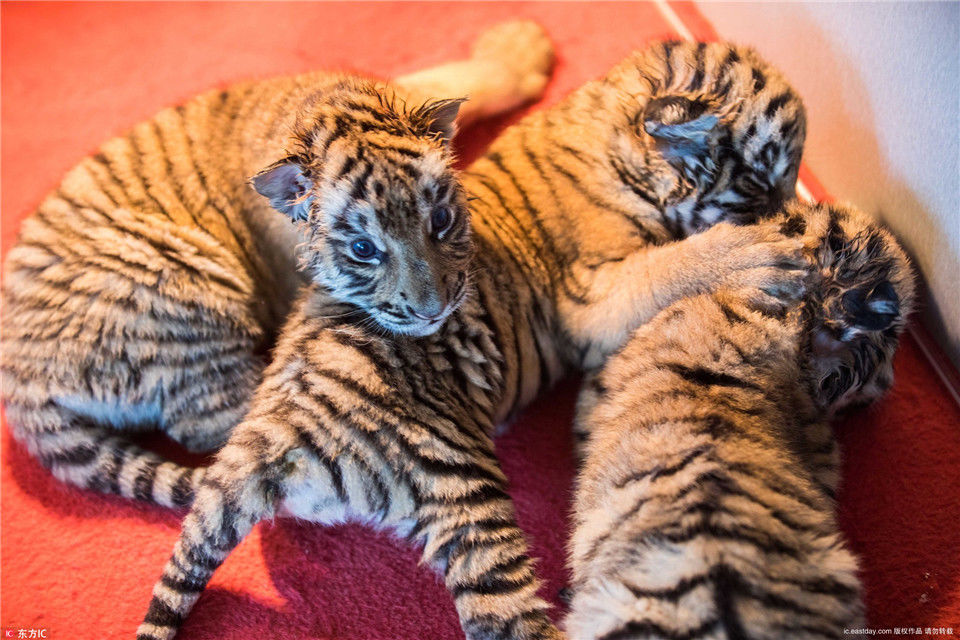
706 504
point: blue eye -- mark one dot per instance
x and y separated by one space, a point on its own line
440 219
363 249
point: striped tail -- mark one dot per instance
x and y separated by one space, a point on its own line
709 544
84 454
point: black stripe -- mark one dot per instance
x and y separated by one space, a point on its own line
391 405
137 169
674 593
111 473
80 455
401 150
636 629
660 471
731 315
210 198
470 470
758 539
359 190
557 258
599 202
774 483
667 51
143 484
776 103
184 585
196 558
732 582
614 528
168 170
705 377
726 583
457 545
160 615
305 438
701 60
182 493
520 237
489 586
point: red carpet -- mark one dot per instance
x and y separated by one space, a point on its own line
82 565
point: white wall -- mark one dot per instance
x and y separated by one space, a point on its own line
880 82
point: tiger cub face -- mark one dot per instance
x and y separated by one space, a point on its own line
384 218
853 317
712 130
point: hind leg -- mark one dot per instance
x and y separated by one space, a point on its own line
265 465
204 404
238 491
469 531
466 523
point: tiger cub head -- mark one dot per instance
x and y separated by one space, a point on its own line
855 312
712 132
369 180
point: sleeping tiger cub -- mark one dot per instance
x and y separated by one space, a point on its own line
567 207
705 508
145 289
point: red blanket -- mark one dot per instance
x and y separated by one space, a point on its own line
82 565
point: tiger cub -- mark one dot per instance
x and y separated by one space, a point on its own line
706 504
588 197
145 290
396 430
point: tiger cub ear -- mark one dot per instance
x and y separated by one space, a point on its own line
285 184
680 125
438 118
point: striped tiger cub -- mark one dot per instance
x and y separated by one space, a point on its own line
573 211
145 290
678 140
705 508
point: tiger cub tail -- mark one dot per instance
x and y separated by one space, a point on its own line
85 454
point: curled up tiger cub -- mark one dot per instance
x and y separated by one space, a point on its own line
146 289
705 507
581 215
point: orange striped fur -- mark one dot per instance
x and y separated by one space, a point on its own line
580 219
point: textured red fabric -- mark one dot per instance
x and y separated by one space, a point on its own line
82 565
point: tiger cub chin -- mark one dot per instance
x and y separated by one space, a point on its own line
146 289
706 505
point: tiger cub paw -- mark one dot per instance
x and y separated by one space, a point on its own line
757 259
873 306
523 49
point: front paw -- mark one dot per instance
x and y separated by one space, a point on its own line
770 289
757 258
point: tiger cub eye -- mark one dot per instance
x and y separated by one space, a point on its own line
440 219
363 249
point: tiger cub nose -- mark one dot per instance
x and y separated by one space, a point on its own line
428 311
